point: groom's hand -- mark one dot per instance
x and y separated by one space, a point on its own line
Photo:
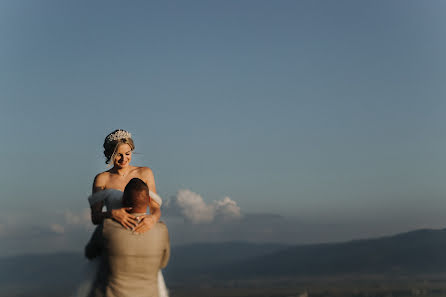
145 224
124 218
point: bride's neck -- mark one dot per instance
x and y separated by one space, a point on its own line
121 171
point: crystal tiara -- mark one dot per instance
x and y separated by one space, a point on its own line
118 135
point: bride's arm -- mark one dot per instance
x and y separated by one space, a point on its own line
148 221
98 215
155 210
120 215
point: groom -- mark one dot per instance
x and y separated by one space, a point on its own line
130 262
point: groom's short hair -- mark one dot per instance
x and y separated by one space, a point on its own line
136 194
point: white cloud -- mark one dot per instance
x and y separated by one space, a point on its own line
56 228
72 220
68 222
227 209
82 218
193 208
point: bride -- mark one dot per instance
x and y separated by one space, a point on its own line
109 185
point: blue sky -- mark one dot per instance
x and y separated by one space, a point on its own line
323 112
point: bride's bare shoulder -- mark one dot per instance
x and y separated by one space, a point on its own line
144 171
100 181
146 174
103 176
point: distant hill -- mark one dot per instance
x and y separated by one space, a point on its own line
416 252
195 260
42 269
67 269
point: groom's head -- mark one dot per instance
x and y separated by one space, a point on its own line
136 195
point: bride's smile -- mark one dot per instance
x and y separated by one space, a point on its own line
123 156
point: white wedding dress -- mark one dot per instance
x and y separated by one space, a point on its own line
113 200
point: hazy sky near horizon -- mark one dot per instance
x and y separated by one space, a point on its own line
323 112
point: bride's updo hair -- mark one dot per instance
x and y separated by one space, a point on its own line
113 140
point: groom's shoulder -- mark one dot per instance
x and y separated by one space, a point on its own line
111 224
161 226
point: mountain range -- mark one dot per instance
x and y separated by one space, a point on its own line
415 252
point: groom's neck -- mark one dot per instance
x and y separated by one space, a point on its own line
138 210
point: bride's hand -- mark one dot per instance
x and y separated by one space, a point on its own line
124 218
145 224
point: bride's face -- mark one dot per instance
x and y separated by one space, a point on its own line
123 156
